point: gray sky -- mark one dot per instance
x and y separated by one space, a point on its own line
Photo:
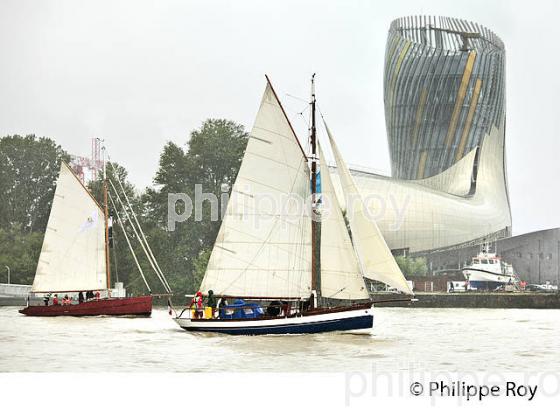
140 73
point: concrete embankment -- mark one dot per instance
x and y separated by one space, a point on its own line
491 300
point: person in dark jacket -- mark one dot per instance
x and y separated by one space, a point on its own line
81 297
222 307
212 302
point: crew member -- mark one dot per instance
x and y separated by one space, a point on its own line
81 297
198 305
212 302
55 300
222 307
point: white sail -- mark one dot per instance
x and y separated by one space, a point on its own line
341 276
263 248
73 253
375 256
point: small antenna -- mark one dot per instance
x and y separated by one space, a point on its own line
103 157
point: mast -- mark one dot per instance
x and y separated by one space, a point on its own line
314 223
106 211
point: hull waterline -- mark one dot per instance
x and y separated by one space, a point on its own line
479 275
354 318
133 306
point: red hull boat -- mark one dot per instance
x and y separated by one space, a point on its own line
134 306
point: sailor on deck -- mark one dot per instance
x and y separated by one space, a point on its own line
198 305
212 302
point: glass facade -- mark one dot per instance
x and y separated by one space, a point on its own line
444 89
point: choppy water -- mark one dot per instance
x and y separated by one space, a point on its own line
434 339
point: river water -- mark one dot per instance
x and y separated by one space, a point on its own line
455 340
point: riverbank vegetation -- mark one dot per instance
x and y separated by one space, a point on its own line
29 169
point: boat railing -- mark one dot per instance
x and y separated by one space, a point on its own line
228 312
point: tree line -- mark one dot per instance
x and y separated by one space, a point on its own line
29 169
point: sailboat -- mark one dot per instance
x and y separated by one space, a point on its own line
277 245
75 256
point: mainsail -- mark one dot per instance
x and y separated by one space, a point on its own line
73 253
341 276
263 248
375 256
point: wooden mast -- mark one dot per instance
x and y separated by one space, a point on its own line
314 222
106 211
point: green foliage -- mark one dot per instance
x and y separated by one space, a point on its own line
28 171
211 160
412 266
20 251
200 264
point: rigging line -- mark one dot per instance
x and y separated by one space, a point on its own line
137 235
151 255
121 224
114 238
161 275
296 97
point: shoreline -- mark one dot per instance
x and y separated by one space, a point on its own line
489 300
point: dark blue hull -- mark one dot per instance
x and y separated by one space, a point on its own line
354 323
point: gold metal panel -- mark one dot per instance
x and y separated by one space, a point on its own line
470 115
402 54
422 164
460 98
419 114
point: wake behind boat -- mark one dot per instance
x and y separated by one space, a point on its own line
277 269
75 259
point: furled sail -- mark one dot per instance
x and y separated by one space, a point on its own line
263 248
341 276
375 256
73 253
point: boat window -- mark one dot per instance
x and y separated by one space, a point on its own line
476 260
484 261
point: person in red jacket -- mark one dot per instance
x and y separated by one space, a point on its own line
198 305
55 300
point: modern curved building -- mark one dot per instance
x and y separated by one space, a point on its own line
444 90
445 117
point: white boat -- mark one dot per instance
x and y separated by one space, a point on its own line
488 271
264 249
